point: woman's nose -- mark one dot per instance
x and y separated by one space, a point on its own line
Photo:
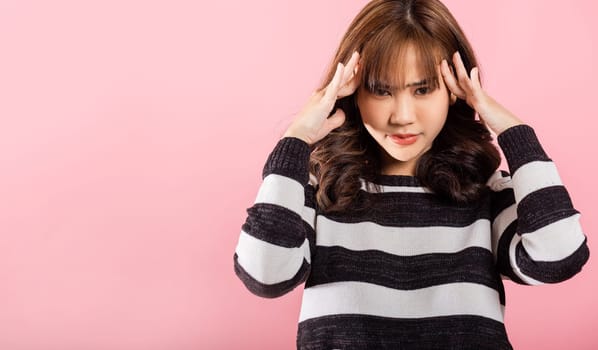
403 112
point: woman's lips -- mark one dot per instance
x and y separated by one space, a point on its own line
404 139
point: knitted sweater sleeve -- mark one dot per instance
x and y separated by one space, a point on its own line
537 237
272 256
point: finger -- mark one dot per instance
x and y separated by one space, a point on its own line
463 78
348 73
350 67
475 79
332 89
350 86
450 81
354 59
334 121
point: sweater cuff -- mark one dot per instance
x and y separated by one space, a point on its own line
520 146
289 158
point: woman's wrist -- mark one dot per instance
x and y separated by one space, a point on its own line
508 125
496 116
292 133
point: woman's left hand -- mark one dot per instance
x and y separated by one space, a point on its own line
468 88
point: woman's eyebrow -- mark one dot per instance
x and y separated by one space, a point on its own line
418 83
382 85
391 87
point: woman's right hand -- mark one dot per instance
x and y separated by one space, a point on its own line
313 123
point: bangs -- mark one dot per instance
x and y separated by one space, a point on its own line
384 58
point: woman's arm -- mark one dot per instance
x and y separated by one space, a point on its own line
536 231
273 253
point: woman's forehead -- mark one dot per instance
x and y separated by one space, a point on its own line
404 63
405 73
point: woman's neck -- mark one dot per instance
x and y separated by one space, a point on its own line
392 166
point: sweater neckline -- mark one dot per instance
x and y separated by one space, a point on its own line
396 180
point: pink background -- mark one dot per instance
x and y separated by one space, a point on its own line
132 138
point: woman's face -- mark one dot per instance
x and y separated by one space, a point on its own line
392 114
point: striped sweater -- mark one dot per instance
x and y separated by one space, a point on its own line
411 271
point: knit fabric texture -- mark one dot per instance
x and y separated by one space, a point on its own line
412 271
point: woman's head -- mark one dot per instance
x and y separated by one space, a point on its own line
404 116
385 30
401 44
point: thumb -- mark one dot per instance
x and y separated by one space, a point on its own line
334 121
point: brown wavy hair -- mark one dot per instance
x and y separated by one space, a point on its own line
462 156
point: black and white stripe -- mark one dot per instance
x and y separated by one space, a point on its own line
338 264
544 242
273 255
361 331
412 270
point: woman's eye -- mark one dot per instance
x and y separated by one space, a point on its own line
381 92
422 90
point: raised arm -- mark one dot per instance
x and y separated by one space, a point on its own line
273 253
536 233
536 230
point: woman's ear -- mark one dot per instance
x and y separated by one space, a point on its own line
453 99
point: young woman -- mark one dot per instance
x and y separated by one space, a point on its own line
384 196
